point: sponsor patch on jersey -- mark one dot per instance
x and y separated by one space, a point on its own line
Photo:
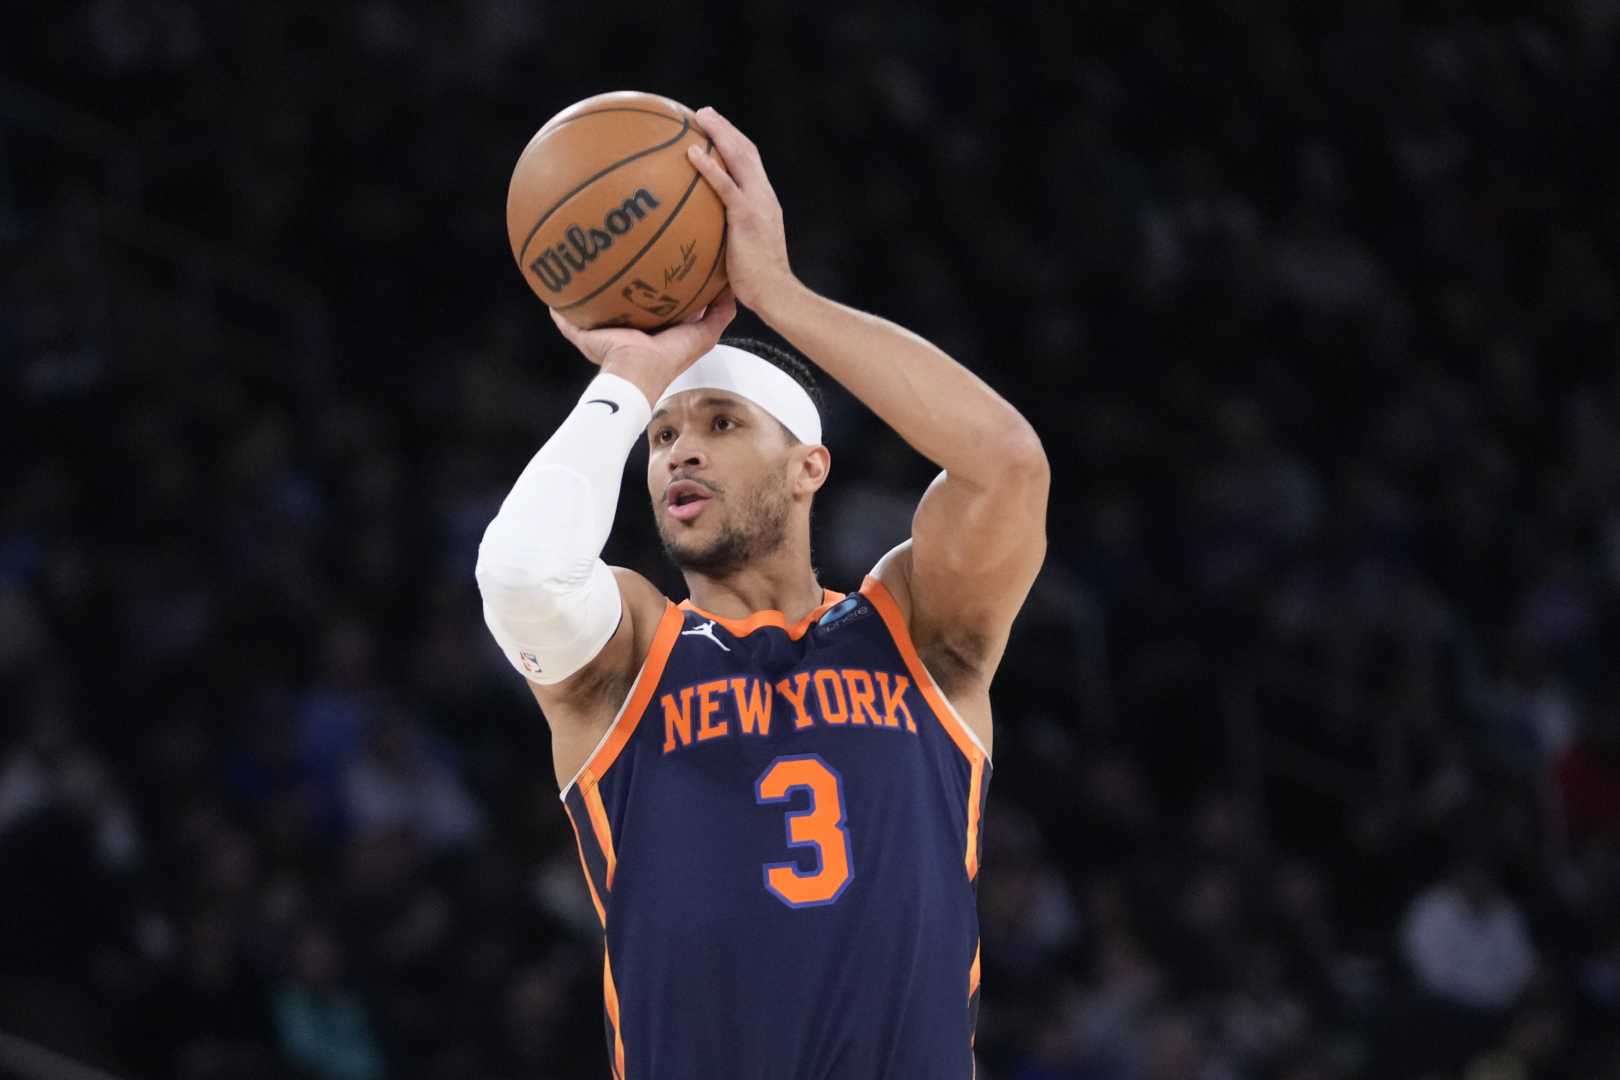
846 612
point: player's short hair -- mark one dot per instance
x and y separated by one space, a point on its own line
788 362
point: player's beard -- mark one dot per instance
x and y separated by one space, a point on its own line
757 529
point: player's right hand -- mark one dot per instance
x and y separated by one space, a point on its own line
652 361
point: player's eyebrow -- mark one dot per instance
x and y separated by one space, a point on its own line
714 401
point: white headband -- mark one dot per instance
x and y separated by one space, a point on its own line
742 373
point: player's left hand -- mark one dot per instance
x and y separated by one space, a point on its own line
756 241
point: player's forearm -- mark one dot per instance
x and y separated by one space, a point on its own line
947 413
560 511
549 600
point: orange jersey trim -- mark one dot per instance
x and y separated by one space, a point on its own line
975 797
973 972
955 727
744 627
624 725
599 822
610 995
579 845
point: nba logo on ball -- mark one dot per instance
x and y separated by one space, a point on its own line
609 222
531 662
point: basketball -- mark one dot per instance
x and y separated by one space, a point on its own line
609 222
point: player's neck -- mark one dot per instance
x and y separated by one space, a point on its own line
786 583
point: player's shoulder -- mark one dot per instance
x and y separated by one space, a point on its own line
643 600
645 608
957 658
957 651
893 572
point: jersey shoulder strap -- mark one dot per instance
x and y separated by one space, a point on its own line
895 622
635 702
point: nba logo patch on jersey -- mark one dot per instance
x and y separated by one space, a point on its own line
531 663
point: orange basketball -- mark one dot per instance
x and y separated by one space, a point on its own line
609 222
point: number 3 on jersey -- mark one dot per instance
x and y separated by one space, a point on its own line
819 826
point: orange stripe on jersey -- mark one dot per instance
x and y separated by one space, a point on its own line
592 795
960 734
652 669
596 901
610 995
975 793
744 627
973 972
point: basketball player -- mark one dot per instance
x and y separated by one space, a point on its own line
777 789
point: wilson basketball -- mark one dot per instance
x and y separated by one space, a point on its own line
609 222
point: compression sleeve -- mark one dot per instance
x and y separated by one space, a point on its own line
550 601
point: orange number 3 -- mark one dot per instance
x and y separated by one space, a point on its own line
819 826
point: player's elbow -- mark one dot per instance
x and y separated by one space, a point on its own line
509 562
545 535
1022 455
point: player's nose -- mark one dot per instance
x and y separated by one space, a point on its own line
686 452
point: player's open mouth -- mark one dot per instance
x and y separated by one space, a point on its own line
686 499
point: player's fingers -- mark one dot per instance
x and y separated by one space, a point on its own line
693 338
722 309
573 333
715 173
564 327
716 317
740 154
722 130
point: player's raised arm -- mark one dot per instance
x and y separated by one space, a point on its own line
559 613
979 536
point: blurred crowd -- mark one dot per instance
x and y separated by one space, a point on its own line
1308 741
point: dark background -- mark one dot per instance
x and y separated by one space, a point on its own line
1313 707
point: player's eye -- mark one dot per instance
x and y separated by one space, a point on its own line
664 435
724 423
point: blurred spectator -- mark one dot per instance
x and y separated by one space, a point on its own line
322 1025
277 784
1589 778
399 781
1467 946
1466 939
210 1018
51 770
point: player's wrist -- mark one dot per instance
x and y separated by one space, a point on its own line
625 392
629 375
775 296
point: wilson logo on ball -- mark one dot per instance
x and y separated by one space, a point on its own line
557 265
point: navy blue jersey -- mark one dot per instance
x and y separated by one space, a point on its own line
781 832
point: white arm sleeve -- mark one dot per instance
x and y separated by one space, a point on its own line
550 601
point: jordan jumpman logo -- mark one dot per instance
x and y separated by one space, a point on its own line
707 630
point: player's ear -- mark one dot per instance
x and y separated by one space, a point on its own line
811 465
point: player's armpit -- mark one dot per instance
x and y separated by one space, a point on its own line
974 553
579 708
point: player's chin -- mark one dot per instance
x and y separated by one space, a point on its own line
689 552
681 537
